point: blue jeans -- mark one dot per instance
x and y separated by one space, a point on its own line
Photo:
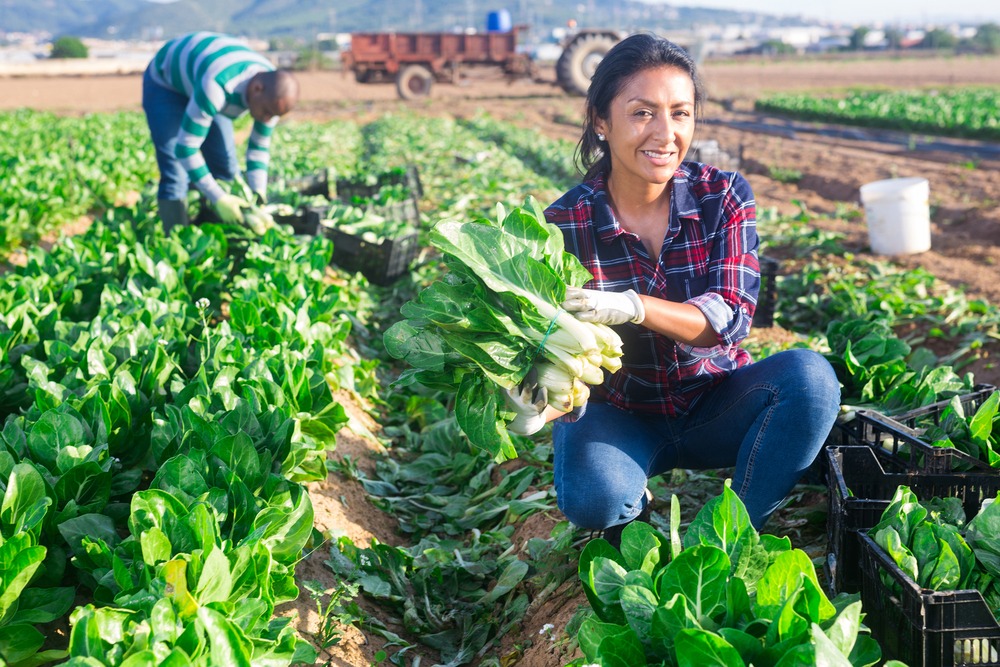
768 419
164 112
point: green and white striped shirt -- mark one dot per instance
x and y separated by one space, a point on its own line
213 71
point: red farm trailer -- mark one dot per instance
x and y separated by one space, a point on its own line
415 60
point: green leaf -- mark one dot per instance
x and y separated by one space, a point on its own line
609 580
19 642
94 526
643 547
587 569
843 631
724 523
827 652
25 502
701 648
981 425
700 573
512 575
19 559
51 433
790 576
748 646
227 645
609 644
215 582
156 547
639 603
44 605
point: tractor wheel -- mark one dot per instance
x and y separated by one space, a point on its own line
414 82
578 61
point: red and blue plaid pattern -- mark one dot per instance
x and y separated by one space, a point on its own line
709 259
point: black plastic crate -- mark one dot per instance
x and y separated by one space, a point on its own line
348 189
970 403
898 436
405 211
920 627
862 481
381 261
323 182
305 220
767 297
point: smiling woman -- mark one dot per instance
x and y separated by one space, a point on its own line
672 246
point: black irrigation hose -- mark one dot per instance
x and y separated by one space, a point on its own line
914 141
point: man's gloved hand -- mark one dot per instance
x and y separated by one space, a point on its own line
528 400
230 208
609 308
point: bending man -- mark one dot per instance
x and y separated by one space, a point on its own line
191 92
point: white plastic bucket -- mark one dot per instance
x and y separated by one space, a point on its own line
897 211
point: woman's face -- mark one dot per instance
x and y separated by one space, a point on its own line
650 125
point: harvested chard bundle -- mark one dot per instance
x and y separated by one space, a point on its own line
494 315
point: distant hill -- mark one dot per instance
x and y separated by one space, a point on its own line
266 19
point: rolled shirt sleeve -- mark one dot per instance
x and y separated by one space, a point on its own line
734 272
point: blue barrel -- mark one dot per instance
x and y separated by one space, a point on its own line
498 21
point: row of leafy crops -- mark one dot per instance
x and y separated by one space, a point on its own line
155 451
963 112
57 169
165 402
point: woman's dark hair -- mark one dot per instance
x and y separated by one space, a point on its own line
627 58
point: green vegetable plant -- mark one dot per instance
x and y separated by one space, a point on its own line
26 502
934 545
495 315
977 434
722 594
960 112
874 368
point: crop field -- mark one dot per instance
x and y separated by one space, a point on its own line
209 455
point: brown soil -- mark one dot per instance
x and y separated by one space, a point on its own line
965 234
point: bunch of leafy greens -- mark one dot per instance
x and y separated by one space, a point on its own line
479 329
878 370
932 544
721 595
977 434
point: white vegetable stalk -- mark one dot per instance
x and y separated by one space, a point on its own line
574 354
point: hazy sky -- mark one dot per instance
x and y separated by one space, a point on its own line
866 11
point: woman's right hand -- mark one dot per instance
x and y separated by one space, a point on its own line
608 308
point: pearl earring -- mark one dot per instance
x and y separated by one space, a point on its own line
600 137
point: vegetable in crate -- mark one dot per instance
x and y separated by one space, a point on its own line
494 317
365 223
977 434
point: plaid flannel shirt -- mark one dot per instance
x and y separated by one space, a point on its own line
708 259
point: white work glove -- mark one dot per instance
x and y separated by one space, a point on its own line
599 307
230 208
528 401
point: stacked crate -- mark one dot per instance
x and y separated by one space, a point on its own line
383 260
917 626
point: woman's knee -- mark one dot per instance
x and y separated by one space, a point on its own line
600 502
810 377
